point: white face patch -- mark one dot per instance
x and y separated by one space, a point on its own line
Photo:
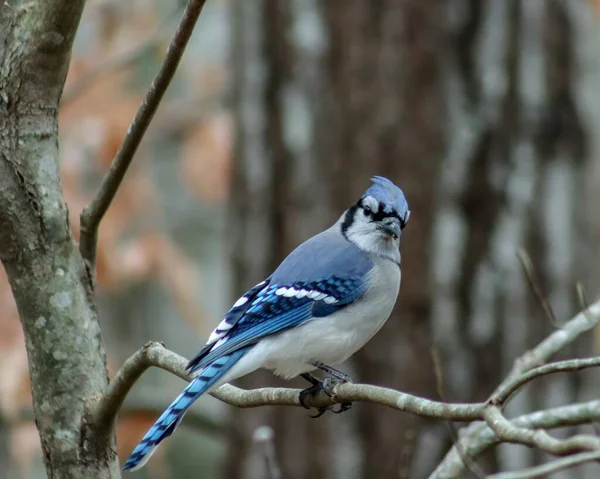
364 233
371 202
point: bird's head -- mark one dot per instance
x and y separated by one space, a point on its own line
376 222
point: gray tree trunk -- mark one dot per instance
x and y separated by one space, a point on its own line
483 112
48 276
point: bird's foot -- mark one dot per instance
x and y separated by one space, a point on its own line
332 371
327 386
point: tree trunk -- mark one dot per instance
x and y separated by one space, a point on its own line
481 112
48 276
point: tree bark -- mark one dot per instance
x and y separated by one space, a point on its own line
481 111
49 279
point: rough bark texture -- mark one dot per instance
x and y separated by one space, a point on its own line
48 277
482 112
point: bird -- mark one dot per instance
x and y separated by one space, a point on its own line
323 303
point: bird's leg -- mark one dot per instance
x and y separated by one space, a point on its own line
327 387
340 376
317 385
332 371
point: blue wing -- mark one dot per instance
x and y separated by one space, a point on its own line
319 277
236 313
276 308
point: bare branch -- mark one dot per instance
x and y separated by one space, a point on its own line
93 213
501 395
477 438
155 354
582 322
549 468
107 409
526 430
539 439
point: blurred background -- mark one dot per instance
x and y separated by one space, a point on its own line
485 112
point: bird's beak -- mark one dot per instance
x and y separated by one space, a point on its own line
390 226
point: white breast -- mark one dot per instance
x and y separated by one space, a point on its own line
335 338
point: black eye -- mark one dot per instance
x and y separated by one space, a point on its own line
368 211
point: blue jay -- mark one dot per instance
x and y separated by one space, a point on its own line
320 306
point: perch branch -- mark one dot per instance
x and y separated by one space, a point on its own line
155 354
93 213
549 468
527 431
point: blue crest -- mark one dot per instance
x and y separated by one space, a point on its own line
390 197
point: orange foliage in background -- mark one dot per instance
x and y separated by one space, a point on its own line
132 244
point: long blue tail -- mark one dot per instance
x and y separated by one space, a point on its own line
170 419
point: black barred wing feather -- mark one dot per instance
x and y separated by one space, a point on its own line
271 308
236 312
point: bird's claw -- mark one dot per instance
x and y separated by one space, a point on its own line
322 410
327 386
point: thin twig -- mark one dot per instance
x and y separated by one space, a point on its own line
93 213
481 437
550 468
535 286
539 439
569 332
502 395
559 339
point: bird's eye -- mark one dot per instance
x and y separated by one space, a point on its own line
368 211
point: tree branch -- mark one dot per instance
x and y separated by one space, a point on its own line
526 430
93 213
452 464
550 468
481 438
508 388
537 438
155 354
